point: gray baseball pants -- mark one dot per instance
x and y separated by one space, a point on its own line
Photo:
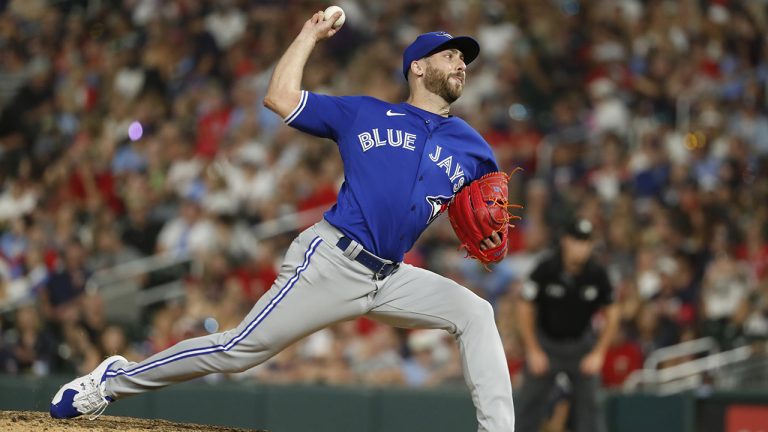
318 286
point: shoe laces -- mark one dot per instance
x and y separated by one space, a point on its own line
91 400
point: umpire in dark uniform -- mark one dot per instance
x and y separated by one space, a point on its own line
555 314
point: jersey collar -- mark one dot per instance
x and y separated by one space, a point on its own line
424 113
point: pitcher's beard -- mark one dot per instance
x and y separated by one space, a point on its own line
440 84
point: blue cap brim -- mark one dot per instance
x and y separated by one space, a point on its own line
468 46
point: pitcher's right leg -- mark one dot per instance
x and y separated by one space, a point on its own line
316 287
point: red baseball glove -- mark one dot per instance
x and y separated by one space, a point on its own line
480 209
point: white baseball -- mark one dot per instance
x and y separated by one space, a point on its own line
328 13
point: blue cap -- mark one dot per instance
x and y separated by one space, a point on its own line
428 43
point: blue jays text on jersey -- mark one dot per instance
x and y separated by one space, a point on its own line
402 165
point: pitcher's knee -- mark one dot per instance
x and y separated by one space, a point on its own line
241 366
479 312
243 356
233 362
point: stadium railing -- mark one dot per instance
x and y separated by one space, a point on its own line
126 290
130 287
692 374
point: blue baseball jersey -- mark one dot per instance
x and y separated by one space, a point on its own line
402 165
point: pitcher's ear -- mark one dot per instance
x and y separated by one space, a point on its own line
417 68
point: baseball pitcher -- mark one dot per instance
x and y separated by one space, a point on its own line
403 165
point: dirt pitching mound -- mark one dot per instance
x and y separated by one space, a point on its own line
26 421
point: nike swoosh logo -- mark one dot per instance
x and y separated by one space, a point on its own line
392 114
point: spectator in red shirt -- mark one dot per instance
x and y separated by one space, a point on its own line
212 121
623 357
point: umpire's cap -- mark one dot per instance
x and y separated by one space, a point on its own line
580 229
428 43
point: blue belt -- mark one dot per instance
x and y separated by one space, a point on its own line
379 267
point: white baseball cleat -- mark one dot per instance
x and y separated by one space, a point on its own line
84 395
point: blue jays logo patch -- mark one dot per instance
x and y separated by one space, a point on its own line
439 204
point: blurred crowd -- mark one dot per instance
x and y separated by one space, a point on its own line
135 128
